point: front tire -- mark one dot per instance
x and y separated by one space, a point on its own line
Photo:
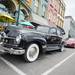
32 53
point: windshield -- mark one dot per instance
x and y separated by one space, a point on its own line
13 33
43 29
13 27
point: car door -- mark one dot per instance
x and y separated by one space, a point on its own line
52 40
59 37
53 36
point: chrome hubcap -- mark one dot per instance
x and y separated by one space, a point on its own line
32 52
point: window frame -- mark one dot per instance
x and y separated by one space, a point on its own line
53 28
44 27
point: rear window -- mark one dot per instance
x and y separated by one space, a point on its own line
43 29
52 31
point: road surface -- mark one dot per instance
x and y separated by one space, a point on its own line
52 63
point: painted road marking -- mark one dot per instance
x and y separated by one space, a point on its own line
57 65
12 66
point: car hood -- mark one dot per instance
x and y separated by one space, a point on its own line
31 31
26 32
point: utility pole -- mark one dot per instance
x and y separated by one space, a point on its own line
18 13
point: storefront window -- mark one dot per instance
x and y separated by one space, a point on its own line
44 10
21 16
36 6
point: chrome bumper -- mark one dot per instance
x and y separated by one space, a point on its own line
12 51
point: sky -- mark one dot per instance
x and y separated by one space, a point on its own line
70 8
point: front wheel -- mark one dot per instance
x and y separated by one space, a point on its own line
32 53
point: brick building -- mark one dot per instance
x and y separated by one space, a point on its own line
56 11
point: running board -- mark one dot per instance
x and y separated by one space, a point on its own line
51 48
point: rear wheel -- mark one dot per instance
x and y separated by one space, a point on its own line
61 48
32 53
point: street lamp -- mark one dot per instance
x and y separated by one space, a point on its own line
20 1
18 13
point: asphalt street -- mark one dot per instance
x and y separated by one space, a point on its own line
5 69
51 63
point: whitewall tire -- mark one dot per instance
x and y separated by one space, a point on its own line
31 53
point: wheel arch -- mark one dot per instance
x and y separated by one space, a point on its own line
24 44
39 43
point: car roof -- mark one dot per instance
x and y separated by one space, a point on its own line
47 26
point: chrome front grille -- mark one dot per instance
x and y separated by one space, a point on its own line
9 41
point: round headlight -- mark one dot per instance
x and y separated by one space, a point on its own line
18 38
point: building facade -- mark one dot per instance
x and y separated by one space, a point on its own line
69 27
39 11
13 8
26 8
46 12
39 7
56 11
2 10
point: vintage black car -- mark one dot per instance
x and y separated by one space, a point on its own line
30 42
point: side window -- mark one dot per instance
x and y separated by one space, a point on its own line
58 32
43 29
53 31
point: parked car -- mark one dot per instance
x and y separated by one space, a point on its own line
70 42
30 42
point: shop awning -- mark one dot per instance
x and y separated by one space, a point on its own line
4 17
26 23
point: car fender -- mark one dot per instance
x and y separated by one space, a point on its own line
38 40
